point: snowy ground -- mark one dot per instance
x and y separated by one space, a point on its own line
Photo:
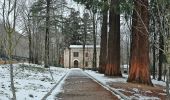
103 79
32 82
110 80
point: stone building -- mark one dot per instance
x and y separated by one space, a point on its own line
73 56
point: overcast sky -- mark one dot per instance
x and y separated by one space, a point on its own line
71 4
76 6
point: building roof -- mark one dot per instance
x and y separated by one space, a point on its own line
86 46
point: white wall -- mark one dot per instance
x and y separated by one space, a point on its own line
88 59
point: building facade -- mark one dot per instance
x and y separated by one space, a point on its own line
73 56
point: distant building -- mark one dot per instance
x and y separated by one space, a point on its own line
73 56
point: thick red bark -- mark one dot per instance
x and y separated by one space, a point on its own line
113 56
103 43
139 60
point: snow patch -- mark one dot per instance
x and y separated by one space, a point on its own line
32 81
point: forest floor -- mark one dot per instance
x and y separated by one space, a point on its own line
133 91
136 91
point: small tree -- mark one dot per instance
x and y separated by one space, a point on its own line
9 20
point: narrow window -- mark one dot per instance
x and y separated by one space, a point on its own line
75 54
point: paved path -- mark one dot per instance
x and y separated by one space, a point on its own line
78 86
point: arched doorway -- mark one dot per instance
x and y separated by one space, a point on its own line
76 63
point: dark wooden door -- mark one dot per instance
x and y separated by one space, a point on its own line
76 63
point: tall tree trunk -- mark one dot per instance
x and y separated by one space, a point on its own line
154 50
30 41
84 55
69 57
128 52
36 44
154 31
162 9
161 31
33 43
47 34
57 52
161 46
9 22
139 60
94 46
154 55
84 38
103 43
11 65
113 58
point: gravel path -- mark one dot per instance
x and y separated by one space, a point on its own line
78 86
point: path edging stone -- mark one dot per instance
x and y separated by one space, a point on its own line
109 88
49 93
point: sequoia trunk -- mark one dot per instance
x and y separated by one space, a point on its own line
113 58
103 44
139 60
